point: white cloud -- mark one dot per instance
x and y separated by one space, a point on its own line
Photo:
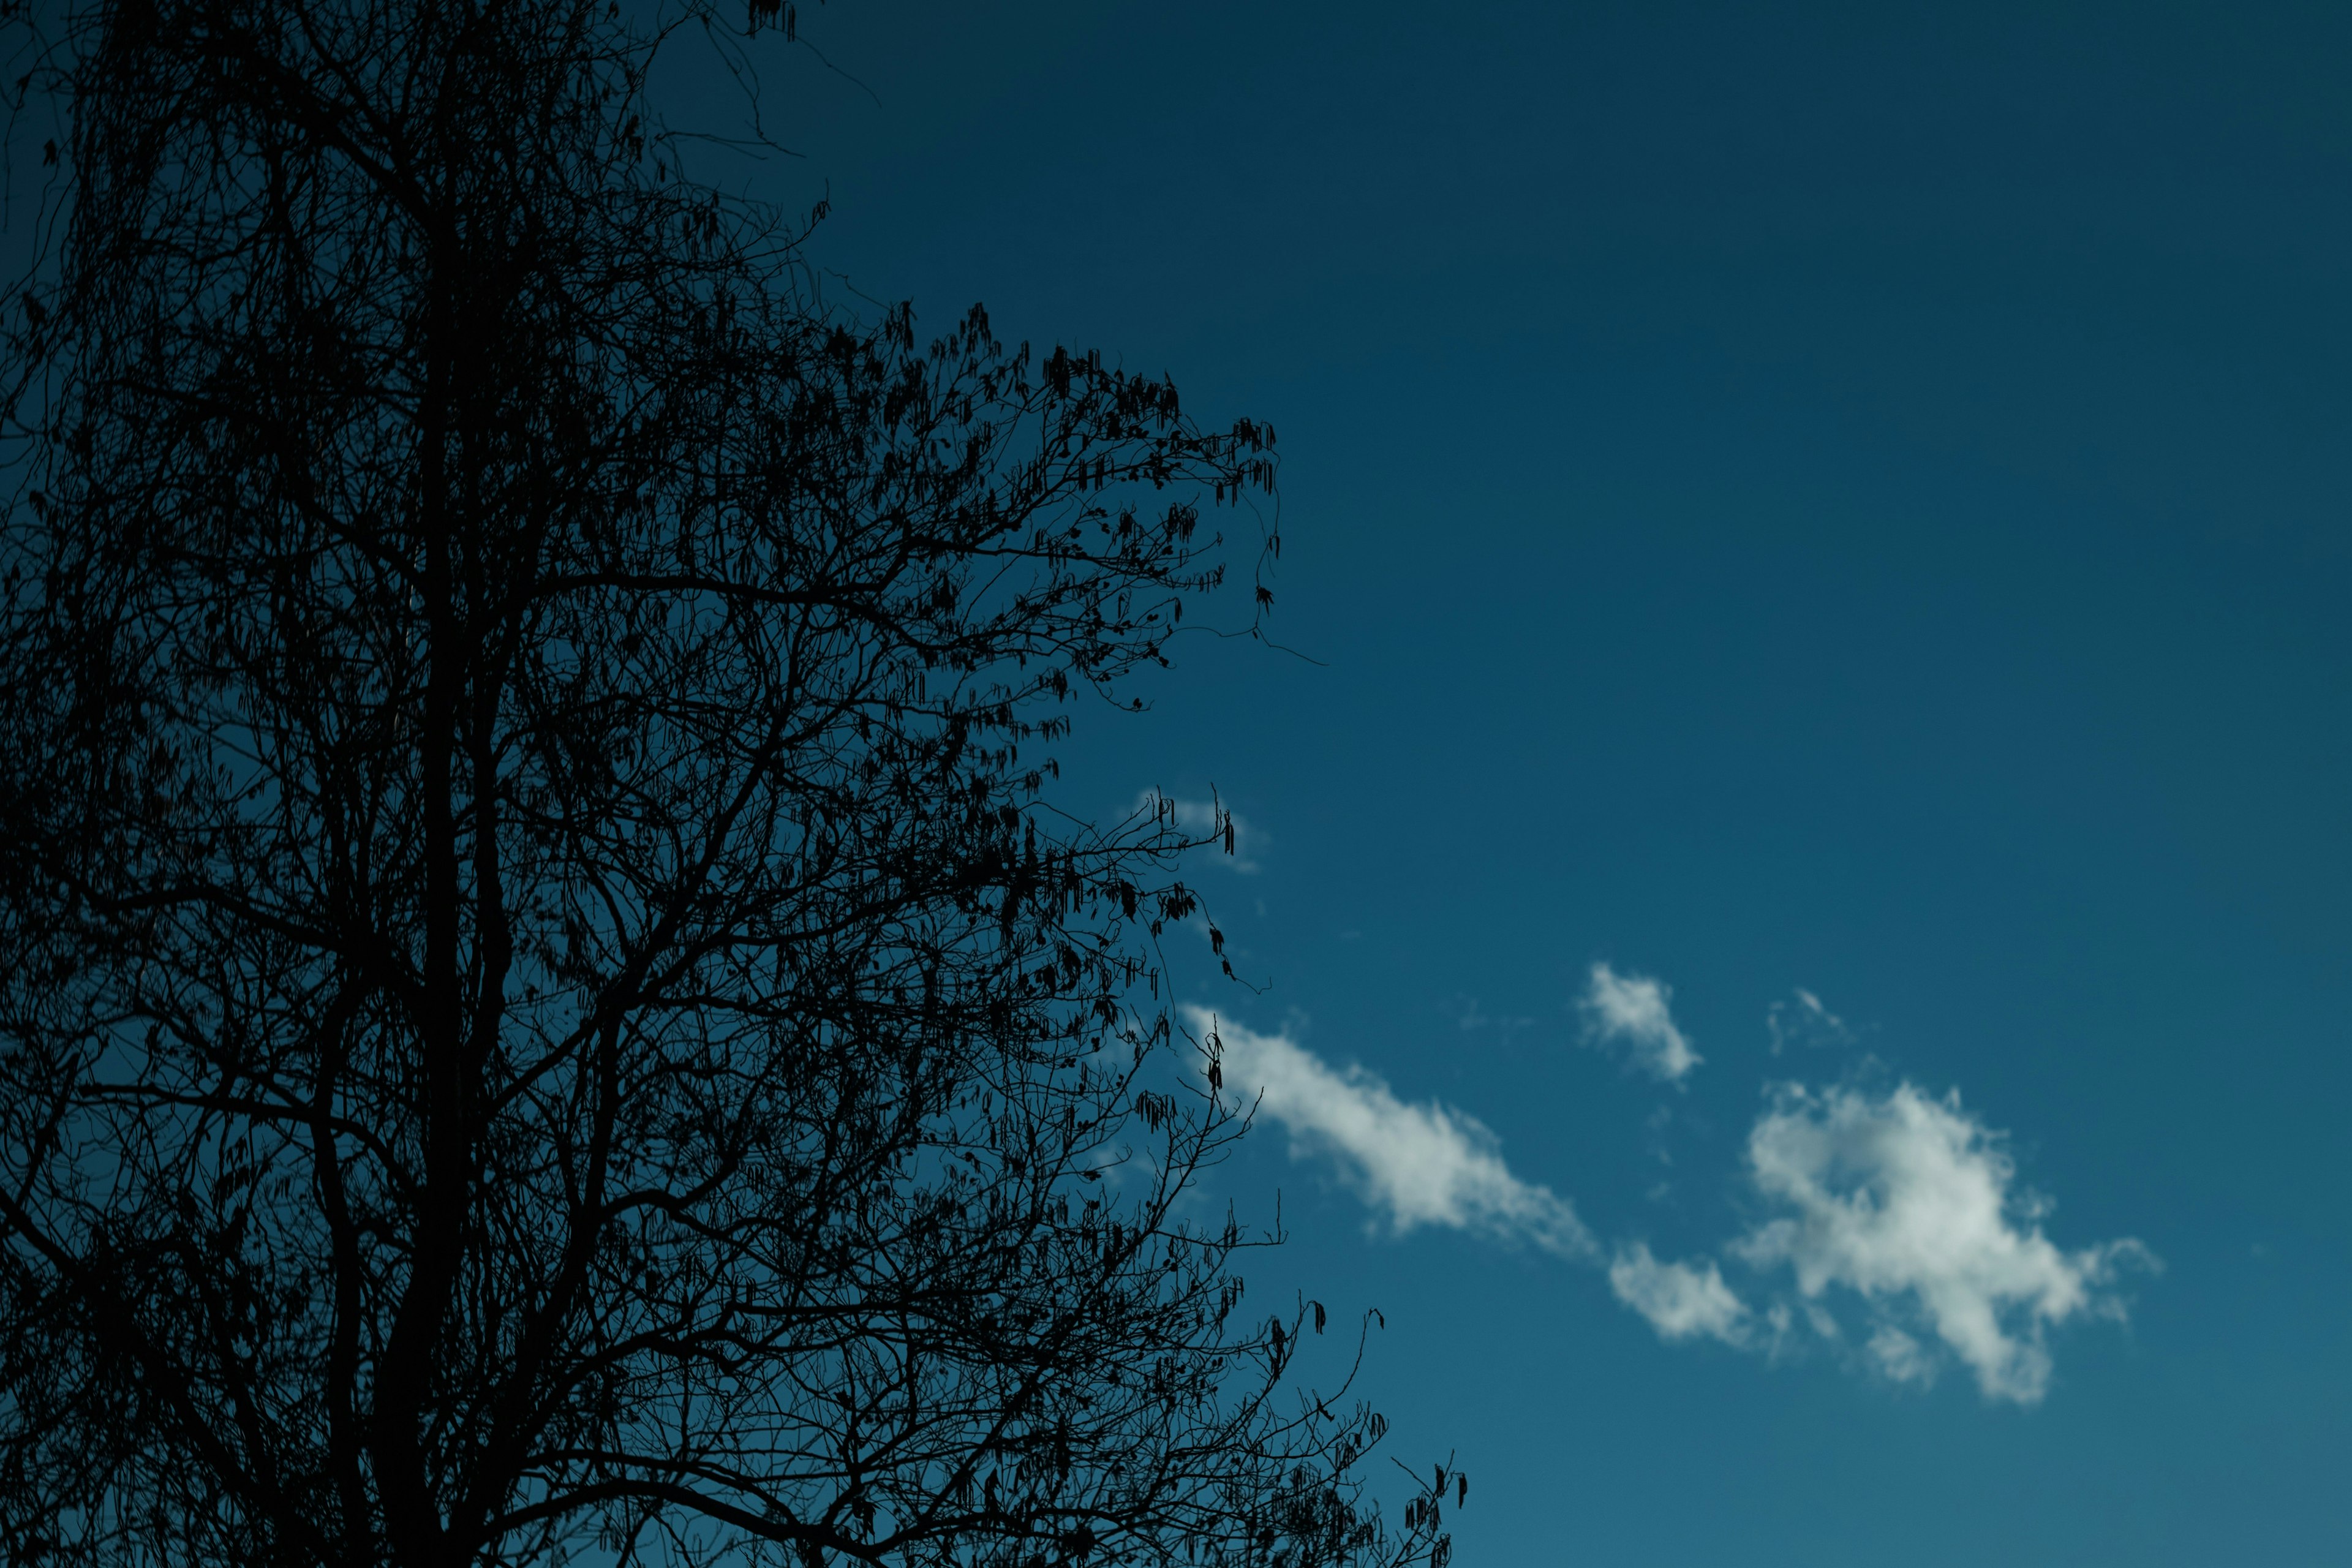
1905 1199
1239 842
1900 1203
1631 1009
1425 1164
1805 1021
1680 1301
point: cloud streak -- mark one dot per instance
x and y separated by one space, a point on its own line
1631 1011
1416 1164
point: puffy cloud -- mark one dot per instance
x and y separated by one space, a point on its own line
1680 1301
1210 819
1905 1199
1424 1165
1630 1010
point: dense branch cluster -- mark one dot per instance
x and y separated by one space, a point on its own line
543 1008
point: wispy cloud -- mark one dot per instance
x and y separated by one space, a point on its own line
1804 1021
1680 1301
1908 1201
1469 1017
1239 843
1630 1010
1900 1358
1416 1164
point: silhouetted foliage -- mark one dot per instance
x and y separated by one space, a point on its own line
543 1010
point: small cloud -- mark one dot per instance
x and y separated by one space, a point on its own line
1805 1021
1906 1200
1680 1301
1236 843
1630 1010
1901 1358
1416 1164
1470 1018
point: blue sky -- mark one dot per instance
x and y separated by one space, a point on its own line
1832 503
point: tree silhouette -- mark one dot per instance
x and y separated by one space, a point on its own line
544 1013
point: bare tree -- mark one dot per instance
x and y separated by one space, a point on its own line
544 1008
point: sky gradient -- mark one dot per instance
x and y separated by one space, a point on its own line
1798 888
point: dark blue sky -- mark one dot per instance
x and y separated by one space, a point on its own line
1851 499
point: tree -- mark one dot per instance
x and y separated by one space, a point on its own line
543 1005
